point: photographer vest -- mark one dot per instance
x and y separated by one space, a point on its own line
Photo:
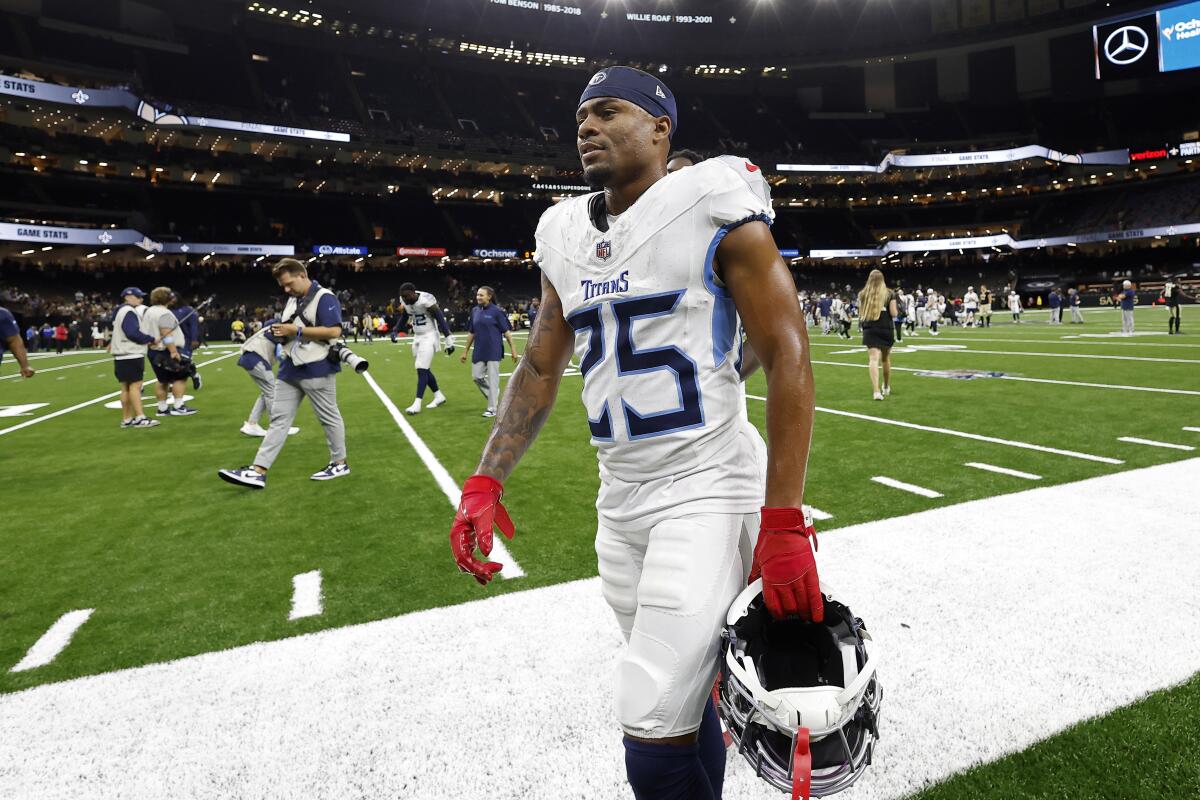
122 346
261 346
300 351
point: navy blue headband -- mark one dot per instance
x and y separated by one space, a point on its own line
640 88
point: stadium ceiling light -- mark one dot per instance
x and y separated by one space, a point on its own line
106 250
47 247
22 155
102 164
149 257
26 252
90 255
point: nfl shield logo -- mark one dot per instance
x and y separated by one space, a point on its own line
603 250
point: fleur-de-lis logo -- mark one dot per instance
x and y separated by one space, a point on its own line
80 96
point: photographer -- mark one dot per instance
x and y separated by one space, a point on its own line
311 320
171 367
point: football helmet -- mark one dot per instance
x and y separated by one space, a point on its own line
800 699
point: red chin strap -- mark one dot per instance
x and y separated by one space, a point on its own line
801 767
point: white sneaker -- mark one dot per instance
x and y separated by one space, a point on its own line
488 414
438 399
244 476
253 429
330 472
415 408
877 396
887 390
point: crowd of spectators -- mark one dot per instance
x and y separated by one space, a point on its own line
83 296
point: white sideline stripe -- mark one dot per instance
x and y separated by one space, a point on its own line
1096 357
1193 430
499 552
93 401
818 514
1021 378
331 697
306 595
1153 443
906 487
53 641
1059 340
1016 473
964 435
56 369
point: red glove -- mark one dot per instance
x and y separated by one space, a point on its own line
478 510
786 564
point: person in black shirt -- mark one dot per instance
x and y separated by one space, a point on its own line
876 310
1172 293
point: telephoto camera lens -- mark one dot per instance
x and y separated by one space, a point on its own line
340 353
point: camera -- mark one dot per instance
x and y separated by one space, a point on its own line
340 354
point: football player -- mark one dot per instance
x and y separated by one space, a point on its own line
646 280
421 308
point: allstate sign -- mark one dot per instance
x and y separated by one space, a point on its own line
339 250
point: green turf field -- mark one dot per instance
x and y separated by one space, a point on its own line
136 525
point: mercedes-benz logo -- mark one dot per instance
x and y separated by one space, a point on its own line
1126 45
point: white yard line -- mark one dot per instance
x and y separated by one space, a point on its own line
1154 443
41 371
318 715
1016 473
818 514
92 402
53 641
965 435
966 337
499 552
974 351
1193 430
1023 379
306 595
906 487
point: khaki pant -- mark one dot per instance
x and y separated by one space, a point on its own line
487 378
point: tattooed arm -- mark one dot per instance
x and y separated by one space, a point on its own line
531 391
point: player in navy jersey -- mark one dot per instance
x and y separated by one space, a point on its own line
646 281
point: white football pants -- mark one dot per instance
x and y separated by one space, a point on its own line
670 587
425 347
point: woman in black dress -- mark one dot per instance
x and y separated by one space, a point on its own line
876 310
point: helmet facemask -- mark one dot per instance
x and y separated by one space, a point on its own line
787 682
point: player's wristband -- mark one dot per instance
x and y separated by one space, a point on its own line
299 329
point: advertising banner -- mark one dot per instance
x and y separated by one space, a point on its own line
339 249
1004 240
421 252
1006 156
122 98
1127 48
99 237
1179 45
484 252
228 249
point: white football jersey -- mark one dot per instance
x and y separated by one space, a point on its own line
656 336
419 313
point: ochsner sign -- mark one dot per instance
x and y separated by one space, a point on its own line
501 253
